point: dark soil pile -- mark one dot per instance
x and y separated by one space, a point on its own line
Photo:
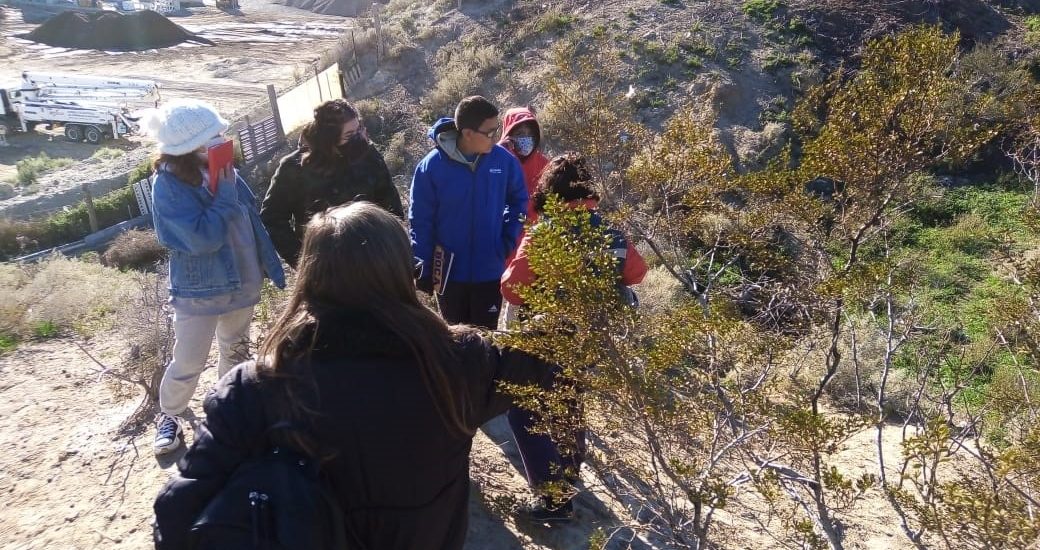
140 30
841 26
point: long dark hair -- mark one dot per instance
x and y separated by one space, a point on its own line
567 176
321 135
187 168
358 258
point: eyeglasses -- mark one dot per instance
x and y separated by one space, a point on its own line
490 133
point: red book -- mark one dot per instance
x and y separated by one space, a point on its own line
221 156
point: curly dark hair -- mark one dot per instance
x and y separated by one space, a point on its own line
567 176
321 135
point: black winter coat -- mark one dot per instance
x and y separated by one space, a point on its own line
298 192
401 476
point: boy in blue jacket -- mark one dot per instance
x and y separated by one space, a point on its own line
468 202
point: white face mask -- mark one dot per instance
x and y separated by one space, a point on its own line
524 145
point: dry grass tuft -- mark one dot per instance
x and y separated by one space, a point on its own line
63 293
135 249
462 71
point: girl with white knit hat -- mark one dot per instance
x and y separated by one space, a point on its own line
219 255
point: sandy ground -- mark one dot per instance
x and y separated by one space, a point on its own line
69 481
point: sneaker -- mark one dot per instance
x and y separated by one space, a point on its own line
168 433
544 510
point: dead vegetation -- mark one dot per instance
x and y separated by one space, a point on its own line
135 249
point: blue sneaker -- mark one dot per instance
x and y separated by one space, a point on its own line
168 433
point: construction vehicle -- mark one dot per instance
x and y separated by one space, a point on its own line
90 108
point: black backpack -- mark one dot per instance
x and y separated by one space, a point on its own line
277 500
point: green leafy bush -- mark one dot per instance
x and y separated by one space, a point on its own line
30 169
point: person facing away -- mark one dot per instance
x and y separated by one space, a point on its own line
390 396
522 136
468 203
219 255
335 164
545 465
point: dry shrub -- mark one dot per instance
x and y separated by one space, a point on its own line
854 386
396 154
67 293
463 70
147 327
659 291
135 249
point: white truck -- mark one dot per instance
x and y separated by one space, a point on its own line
91 108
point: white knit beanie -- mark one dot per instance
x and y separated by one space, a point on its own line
183 125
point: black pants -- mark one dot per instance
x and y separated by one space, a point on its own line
475 304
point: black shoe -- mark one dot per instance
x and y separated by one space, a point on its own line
543 510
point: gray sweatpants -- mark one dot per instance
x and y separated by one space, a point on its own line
193 337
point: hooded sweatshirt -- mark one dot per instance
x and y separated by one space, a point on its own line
472 208
532 164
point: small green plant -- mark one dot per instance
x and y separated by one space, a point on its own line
108 153
8 343
140 172
1033 29
45 329
776 110
776 61
30 169
761 10
555 22
671 54
599 31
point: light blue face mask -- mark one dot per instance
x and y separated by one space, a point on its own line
524 145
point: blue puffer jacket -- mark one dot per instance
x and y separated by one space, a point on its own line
473 210
193 224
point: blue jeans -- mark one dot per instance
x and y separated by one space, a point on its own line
544 462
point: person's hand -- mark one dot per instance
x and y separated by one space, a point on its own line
227 183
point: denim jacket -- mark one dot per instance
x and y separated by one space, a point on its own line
192 223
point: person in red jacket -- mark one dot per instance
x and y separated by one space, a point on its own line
522 136
545 466
567 177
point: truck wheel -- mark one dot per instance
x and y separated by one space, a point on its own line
73 132
94 135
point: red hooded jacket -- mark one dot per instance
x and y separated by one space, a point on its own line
518 270
534 163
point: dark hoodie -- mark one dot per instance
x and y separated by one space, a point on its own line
473 209
532 164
